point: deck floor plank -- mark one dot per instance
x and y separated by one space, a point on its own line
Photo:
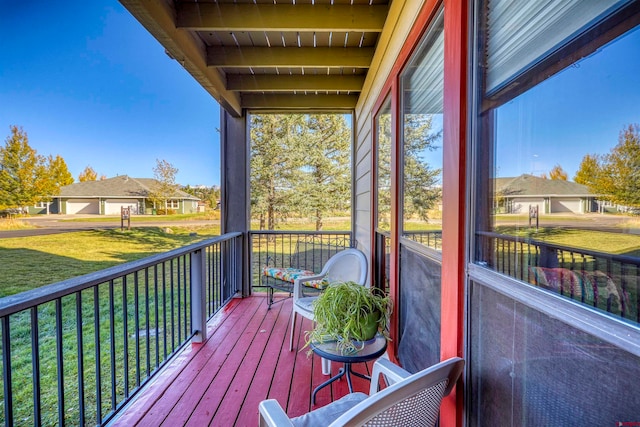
245 360
248 372
223 367
265 374
179 396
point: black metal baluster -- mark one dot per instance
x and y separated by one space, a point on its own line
172 286
96 326
157 320
6 371
79 339
60 361
147 320
164 307
35 363
136 318
180 308
112 337
125 336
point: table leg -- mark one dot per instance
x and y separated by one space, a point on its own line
347 367
341 372
345 370
358 374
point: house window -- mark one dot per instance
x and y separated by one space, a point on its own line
421 120
554 136
383 172
41 205
173 204
555 273
419 281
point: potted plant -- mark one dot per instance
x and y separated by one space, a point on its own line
350 314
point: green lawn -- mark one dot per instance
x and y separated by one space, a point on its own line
30 262
593 240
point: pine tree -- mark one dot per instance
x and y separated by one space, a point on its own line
421 182
23 173
325 174
275 164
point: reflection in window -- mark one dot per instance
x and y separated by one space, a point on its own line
559 157
422 89
383 129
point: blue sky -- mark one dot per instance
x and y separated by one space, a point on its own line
579 111
86 81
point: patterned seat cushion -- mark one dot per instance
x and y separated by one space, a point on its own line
291 274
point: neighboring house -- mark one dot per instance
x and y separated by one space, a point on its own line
107 197
517 194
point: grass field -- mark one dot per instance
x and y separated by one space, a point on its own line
601 241
30 262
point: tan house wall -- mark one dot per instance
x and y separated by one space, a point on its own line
399 22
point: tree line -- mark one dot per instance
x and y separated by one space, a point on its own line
27 177
300 166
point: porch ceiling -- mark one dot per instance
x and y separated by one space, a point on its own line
270 54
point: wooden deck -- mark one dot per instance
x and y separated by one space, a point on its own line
245 360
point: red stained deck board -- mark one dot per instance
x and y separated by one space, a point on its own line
252 369
265 375
163 386
245 360
212 383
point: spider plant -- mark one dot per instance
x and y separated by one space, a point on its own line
347 312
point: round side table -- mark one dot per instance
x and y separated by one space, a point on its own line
371 350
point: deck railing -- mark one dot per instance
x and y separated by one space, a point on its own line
429 238
75 352
607 281
308 250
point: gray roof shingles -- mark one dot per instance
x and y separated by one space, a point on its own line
121 186
530 185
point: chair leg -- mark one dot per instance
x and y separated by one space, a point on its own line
293 328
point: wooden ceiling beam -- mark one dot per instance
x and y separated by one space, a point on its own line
289 83
299 102
319 57
280 17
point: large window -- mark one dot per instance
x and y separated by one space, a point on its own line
554 291
421 85
383 171
421 89
559 150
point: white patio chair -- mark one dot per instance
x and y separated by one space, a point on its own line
344 266
409 400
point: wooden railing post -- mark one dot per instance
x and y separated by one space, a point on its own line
198 295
